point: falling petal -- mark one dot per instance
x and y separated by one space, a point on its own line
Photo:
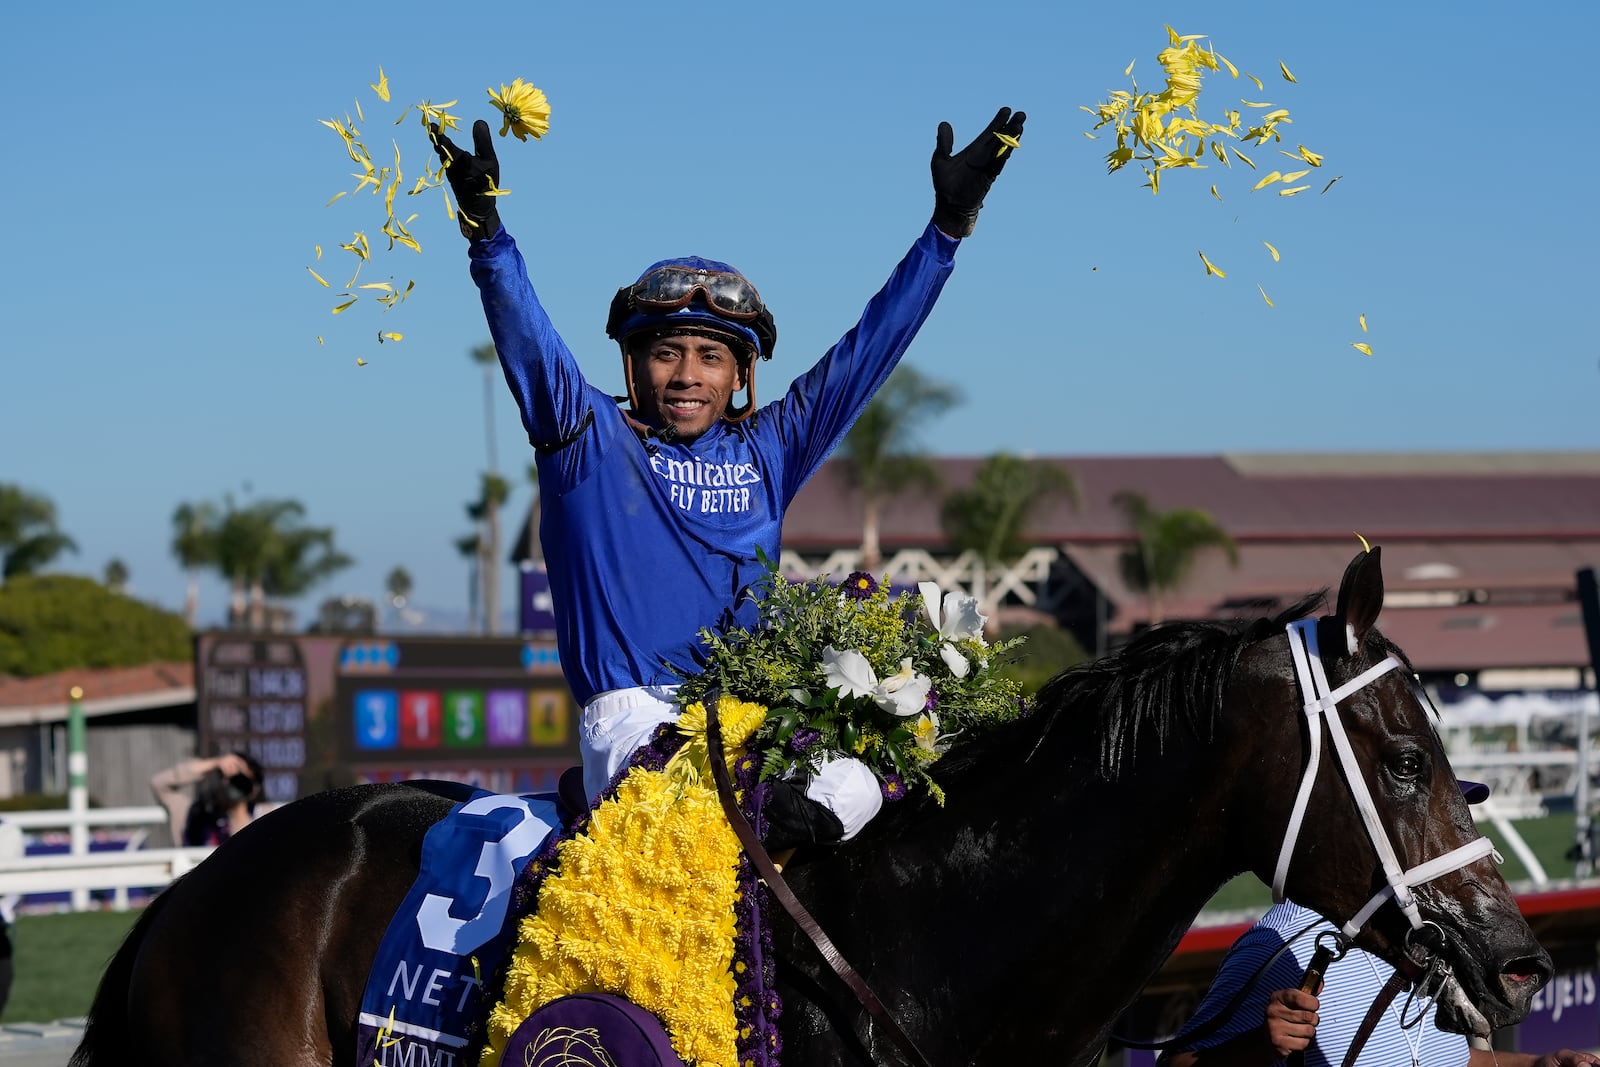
1129 69
1246 159
382 337
385 286
320 279
1006 141
1325 188
1255 79
335 197
1286 75
1268 180
360 362
1264 295
1211 268
1364 546
1294 176
382 88
344 305
319 253
1091 136
1364 349
1249 103
1309 156
1274 251
320 340
1363 320
1291 192
1215 193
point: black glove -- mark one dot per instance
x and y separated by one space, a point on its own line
794 819
960 181
471 177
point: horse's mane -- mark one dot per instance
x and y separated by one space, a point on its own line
1170 677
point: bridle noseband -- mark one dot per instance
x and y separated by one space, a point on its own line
1322 706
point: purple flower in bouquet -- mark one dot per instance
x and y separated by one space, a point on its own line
932 702
804 739
894 787
859 585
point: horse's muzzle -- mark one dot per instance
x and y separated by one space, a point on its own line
1492 988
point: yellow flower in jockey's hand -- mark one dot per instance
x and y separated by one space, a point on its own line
523 110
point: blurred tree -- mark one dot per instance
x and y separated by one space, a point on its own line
116 576
264 551
485 356
54 622
879 453
29 539
471 548
398 586
1165 546
194 544
989 516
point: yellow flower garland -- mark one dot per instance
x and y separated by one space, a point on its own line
642 905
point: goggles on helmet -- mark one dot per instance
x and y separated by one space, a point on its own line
670 288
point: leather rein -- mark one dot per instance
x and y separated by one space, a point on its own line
791 903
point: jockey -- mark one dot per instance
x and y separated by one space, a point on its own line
657 509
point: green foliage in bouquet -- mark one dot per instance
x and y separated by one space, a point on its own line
891 680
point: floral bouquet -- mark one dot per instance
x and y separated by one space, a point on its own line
849 668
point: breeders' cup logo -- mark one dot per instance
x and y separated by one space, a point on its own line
707 488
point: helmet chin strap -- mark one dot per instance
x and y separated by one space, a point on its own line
1321 708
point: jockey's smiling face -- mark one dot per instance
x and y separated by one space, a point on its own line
683 382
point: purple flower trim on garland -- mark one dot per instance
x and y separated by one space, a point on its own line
859 585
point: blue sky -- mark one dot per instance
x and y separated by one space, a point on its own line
168 178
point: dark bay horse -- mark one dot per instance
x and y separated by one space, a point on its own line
1012 925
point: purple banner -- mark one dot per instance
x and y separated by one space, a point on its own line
535 615
1564 1014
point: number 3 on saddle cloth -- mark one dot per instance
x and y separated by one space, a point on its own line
425 993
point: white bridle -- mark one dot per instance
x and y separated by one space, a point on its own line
1322 706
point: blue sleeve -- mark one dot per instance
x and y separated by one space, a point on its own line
556 403
826 400
1238 967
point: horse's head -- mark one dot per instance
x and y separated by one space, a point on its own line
1410 869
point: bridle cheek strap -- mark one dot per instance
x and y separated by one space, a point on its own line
1322 708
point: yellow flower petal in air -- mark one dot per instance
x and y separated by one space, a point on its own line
1251 103
1006 141
1268 180
359 113
1286 75
382 88
1325 188
1274 251
523 110
1255 79
1264 295
336 196
320 280
320 340
319 253
1362 319
1291 192
382 337
344 305
1244 158
1364 349
1129 69
1211 268
360 362
1294 176
1309 156
1215 193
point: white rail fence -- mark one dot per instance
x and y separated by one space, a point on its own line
80 871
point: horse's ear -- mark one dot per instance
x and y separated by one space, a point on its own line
1360 597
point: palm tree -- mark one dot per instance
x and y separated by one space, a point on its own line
471 548
1165 546
879 453
398 585
493 491
29 539
989 516
194 543
116 575
485 356
263 550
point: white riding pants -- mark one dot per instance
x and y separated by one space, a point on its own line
616 724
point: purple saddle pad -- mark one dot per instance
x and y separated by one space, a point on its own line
591 1030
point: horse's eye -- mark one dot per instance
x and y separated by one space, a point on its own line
1407 766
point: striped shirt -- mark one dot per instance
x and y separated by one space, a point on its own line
1351 985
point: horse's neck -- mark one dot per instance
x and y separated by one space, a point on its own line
1065 898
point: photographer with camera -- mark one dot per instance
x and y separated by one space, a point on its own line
227 788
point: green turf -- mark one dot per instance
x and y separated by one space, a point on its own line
1549 837
58 960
